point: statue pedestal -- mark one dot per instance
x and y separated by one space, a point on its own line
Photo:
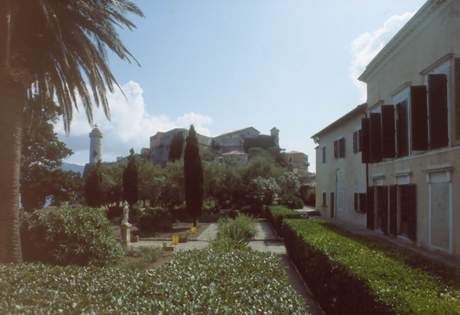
125 234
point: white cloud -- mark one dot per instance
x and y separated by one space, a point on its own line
366 46
131 125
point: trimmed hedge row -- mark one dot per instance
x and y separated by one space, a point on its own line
276 215
349 276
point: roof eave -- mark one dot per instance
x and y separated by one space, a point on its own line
421 15
357 110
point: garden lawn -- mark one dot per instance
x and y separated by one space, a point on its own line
194 282
348 273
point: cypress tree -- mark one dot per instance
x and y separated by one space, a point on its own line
177 144
130 184
94 194
193 176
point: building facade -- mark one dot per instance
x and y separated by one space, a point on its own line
160 144
233 143
410 135
340 173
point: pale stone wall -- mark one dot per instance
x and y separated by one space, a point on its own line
298 161
160 144
234 141
351 170
434 38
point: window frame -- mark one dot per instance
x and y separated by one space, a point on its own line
446 68
401 97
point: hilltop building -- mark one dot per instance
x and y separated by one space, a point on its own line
233 144
160 144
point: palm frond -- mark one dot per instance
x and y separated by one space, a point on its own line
61 48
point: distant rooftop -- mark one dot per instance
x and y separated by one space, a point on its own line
236 131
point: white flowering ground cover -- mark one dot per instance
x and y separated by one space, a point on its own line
194 282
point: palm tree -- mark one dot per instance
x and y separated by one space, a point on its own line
51 49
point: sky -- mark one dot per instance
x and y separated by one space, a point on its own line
223 65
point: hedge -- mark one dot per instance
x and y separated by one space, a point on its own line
276 215
156 219
355 276
194 282
69 236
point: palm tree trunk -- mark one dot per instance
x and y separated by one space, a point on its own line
12 101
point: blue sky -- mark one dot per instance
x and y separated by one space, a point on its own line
225 65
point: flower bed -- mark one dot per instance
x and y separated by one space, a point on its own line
358 276
276 215
195 282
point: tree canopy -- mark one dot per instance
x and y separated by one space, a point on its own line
130 180
42 155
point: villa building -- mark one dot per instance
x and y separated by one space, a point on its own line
160 144
228 145
404 181
340 173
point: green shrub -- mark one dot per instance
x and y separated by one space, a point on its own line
66 236
210 206
261 192
292 202
240 228
276 215
194 282
234 234
155 220
362 277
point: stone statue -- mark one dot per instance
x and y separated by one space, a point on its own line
125 213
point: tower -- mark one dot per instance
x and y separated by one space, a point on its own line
275 133
95 147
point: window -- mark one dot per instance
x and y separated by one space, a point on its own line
438 111
388 131
339 148
324 199
402 128
457 99
375 144
355 142
324 155
407 211
342 147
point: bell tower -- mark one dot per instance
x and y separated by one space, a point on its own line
275 133
95 147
